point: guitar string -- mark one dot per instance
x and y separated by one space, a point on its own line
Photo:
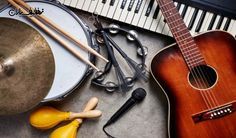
203 94
205 99
194 73
205 78
205 102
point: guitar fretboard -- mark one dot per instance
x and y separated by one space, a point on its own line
181 33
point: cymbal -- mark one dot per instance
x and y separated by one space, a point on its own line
27 67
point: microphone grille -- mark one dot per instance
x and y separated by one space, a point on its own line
139 94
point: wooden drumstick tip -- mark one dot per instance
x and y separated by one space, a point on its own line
53 35
66 34
87 114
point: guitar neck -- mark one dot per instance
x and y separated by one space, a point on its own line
181 34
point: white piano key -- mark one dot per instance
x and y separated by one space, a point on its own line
86 5
204 29
190 15
99 7
112 9
155 22
161 24
124 12
187 15
216 22
223 23
80 4
92 6
67 2
206 22
233 28
118 11
181 8
150 17
105 8
166 29
137 16
73 3
131 13
196 22
143 18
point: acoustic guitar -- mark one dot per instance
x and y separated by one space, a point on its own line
198 77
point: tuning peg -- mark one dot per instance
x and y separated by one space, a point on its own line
47 117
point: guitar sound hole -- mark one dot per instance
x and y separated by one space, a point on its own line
202 77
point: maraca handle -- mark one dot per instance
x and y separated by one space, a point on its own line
88 114
92 103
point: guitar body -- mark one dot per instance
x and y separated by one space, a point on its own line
171 72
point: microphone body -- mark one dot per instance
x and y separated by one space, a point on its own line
128 105
137 96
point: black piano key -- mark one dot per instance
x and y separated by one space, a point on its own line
104 1
123 4
220 22
184 11
137 8
178 6
149 8
199 25
227 23
131 4
156 12
112 2
191 23
213 19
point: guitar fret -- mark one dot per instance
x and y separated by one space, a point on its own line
183 29
184 39
163 5
194 55
172 16
187 33
189 47
179 19
167 11
194 61
190 42
177 26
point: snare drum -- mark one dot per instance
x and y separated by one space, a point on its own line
69 71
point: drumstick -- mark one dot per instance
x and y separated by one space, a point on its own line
60 30
53 34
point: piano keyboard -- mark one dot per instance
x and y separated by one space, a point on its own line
146 14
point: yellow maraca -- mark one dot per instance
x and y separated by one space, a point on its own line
70 130
48 117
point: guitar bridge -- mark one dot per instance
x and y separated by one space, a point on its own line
215 113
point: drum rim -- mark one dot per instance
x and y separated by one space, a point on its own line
86 29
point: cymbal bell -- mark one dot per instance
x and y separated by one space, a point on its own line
26 67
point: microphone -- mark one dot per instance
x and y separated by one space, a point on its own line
137 96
